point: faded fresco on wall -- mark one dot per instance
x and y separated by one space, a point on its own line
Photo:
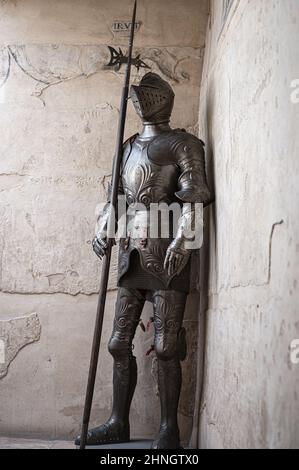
59 105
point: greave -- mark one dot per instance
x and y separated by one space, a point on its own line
124 383
169 381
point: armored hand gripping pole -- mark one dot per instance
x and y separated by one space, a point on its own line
107 258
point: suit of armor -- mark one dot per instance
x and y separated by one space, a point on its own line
159 165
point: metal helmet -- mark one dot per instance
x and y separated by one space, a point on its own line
152 98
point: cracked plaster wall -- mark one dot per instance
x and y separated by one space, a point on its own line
250 387
58 113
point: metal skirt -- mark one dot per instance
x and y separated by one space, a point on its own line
137 278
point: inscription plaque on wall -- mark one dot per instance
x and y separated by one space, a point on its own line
123 28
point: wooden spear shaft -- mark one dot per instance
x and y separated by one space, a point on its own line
107 258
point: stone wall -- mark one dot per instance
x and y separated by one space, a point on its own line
250 125
59 105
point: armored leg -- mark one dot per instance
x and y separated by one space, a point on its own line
169 308
129 306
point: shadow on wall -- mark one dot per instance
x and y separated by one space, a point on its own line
212 222
206 254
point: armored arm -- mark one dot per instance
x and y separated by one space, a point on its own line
192 189
99 243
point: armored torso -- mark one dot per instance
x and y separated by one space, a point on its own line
143 180
166 168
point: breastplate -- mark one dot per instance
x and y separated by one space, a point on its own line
144 181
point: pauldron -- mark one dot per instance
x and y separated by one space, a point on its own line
187 152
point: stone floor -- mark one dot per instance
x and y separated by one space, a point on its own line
17 443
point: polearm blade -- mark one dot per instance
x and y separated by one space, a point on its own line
107 258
